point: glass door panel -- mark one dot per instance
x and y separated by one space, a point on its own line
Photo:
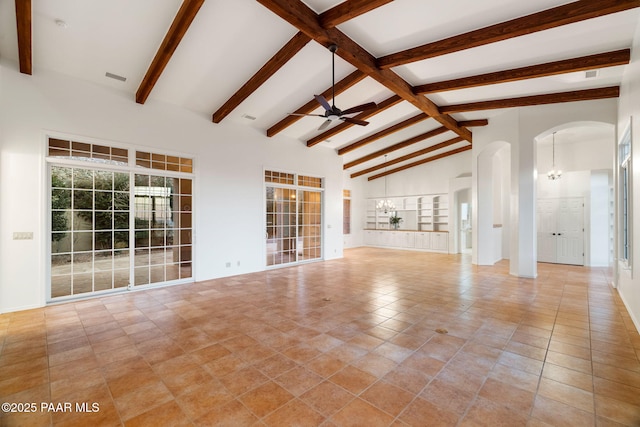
281 225
89 230
163 228
310 224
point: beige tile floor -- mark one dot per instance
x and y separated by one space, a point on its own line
349 342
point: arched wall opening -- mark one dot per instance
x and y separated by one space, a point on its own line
574 214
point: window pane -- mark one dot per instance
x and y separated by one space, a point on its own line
60 199
104 180
82 199
103 200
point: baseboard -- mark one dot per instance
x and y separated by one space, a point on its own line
635 321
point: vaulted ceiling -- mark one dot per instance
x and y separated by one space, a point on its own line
435 69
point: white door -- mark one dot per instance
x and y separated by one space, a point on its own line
546 224
570 234
560 226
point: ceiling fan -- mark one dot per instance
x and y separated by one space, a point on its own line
331 112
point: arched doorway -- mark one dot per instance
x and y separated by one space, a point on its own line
574 217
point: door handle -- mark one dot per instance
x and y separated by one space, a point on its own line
559 234
553 234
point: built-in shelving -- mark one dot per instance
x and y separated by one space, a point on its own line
429 212
424 226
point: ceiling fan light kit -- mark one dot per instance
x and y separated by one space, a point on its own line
333 113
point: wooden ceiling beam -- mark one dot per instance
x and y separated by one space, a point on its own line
408 156
387 103
420 162
23 24
187 12
306 20
384 132
526 101
348 10
307 108
591 62
418 138
276 62
473 123
544 20
398 146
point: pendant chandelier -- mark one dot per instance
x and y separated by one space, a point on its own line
554 174
385 205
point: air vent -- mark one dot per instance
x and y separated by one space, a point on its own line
248 117
591 74
115 77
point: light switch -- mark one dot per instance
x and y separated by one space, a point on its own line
23 235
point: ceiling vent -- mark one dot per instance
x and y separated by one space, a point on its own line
591 74
115 77
248 117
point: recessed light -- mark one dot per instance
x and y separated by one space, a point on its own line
61 23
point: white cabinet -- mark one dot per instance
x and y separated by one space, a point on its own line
415 240
423 241
440 242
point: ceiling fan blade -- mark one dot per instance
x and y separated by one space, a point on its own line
322 102
324 125
354 121
304 115
360 108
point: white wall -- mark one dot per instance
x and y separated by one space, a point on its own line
629 108
229 211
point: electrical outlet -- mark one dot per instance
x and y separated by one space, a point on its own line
23 235
238 264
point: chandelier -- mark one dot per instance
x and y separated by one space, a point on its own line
554 174
385 205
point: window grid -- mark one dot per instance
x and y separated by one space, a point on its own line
309 181
279 177
164 162
60 148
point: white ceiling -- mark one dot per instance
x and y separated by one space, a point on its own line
230 40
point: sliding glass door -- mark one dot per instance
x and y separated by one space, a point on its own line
293 219
114 226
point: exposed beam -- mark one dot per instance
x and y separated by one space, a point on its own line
601 60
348 10
276 62
418 138
408 156
307 108
398 146
525 101
420 162
23 24
384 132
474 123
544 20
306 20
172 39
387 103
